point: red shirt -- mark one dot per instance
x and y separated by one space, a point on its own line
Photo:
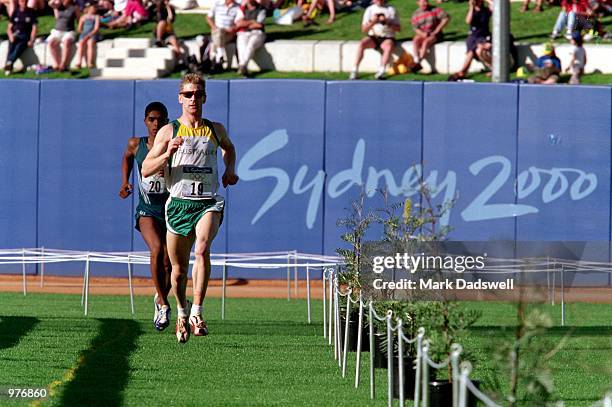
579 7
427 20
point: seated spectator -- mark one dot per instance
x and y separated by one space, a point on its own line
318 4
107 12
164 29
21 32
250 36
479 41
66 15
380 22
428 23
579 59
547 67
89 26
222 24
133 14
573 12
538 8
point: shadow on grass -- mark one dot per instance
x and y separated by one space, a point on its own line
266 328
103 370
12 329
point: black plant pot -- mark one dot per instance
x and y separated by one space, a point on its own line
353 331
441 394
380 357
409 377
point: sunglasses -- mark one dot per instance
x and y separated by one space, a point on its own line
157 119
198 94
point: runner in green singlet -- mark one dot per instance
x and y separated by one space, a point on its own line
187 150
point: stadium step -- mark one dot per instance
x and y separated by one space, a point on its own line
126 73
134 58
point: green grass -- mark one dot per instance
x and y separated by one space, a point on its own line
263 354
590 79
526 27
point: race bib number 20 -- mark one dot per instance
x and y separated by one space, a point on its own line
153 185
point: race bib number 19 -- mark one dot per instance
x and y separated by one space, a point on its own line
197 182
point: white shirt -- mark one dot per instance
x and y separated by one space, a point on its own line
381 30
224 16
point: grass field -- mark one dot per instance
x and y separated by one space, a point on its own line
263 354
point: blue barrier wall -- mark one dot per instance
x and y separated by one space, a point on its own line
373 139
18 164
526 163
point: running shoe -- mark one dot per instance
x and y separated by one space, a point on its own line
198 325
163 318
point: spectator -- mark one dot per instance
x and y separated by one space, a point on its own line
547 67
572 12
221 20
21 32
538 8
66 15
579 59
164 29
250 36
428 23
89 26
314 4
107 12
133 14
479 41
380 22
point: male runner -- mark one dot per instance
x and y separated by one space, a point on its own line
187 149
150 218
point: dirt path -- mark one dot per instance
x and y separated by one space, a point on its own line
239 288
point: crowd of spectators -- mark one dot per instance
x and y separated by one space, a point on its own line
78 22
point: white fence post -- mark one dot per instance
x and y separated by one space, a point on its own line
359 340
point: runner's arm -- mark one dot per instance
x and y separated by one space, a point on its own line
228 152
127 163
162 150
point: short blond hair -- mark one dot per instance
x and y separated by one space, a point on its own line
194 79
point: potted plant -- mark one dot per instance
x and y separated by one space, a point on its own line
349 277
452 323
